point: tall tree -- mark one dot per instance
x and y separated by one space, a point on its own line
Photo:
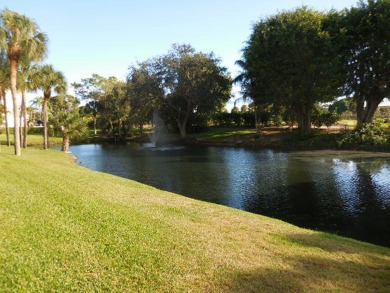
22 39
291 60
91 90
115 105
192 82
367 53
144 90
65 115
48 80
24 86
4 85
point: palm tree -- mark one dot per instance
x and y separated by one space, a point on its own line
47 79
24 85
4 85
22 39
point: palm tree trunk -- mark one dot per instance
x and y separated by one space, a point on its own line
25 124
6 118
14 77
21 125
65 141
45 120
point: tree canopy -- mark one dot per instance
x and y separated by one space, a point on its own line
65 116
47 79
366 50
291 60
23 41
185 82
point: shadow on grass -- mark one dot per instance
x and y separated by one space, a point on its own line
338 266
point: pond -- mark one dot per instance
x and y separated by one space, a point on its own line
347 193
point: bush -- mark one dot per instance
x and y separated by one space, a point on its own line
327 118
370 134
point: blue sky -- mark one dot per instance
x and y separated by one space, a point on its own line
106 37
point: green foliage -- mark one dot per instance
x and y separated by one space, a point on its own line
383 113
365 42
65 117
244 108
23 42
291 60
235 110
246 119
321 117
369 134
180 83
343 105
144 92
107 103
198 122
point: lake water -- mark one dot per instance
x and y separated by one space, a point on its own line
347 193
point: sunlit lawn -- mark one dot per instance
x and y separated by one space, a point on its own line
64 228
347 123
224 133
32 139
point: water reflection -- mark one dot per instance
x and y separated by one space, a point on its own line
344 193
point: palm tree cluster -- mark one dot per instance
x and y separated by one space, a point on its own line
22 47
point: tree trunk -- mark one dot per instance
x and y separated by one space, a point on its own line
182 126
94 124
14 78
45 121
359 111
111 127
304 119
25 124
365 114
120 127
21 124
257 123
141 128
6 118
65 141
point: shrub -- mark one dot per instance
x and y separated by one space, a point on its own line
370 134
327 118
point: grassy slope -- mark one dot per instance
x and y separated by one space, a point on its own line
66 228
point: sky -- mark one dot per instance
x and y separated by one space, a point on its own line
106 37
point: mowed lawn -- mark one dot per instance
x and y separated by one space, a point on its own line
32 140
64 228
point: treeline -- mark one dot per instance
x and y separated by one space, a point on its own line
181 86
293 62
297 59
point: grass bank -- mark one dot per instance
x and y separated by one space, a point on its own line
64 228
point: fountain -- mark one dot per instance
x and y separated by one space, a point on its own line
158 139
158 130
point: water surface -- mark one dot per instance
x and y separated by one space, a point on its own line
347 193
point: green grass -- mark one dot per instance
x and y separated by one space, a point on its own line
351 124
33 140
220 133
64 228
